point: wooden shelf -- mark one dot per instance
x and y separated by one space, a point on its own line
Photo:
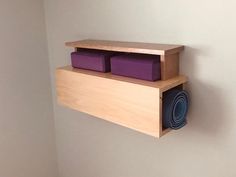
169 54
133 47
132 103
129 102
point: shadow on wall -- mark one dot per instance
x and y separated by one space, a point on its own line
207 104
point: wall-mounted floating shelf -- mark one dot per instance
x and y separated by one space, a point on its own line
133 103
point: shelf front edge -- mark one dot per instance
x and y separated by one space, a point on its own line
122 46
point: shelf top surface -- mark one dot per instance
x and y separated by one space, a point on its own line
134 47
162 85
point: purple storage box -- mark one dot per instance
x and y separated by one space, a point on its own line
140 66
96 60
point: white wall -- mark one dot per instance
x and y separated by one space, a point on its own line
27 142
206 147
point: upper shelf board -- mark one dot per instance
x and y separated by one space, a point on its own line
133 47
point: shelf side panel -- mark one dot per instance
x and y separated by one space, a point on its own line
169 66
127 104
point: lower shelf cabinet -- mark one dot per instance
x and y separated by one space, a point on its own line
129 102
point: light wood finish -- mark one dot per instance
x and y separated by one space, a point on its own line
169 53
169 66
132 103
133 47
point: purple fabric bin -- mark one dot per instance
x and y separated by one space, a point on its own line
96 60
140 66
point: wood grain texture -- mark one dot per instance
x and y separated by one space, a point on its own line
169 66
132 103
127 104
162 85
134 47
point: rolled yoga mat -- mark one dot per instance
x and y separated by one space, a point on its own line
175 108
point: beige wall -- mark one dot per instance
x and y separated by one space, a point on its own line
206 147
27 143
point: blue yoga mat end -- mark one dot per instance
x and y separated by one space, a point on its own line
175 108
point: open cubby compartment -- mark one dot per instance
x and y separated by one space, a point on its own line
163 95
169 54
132 103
